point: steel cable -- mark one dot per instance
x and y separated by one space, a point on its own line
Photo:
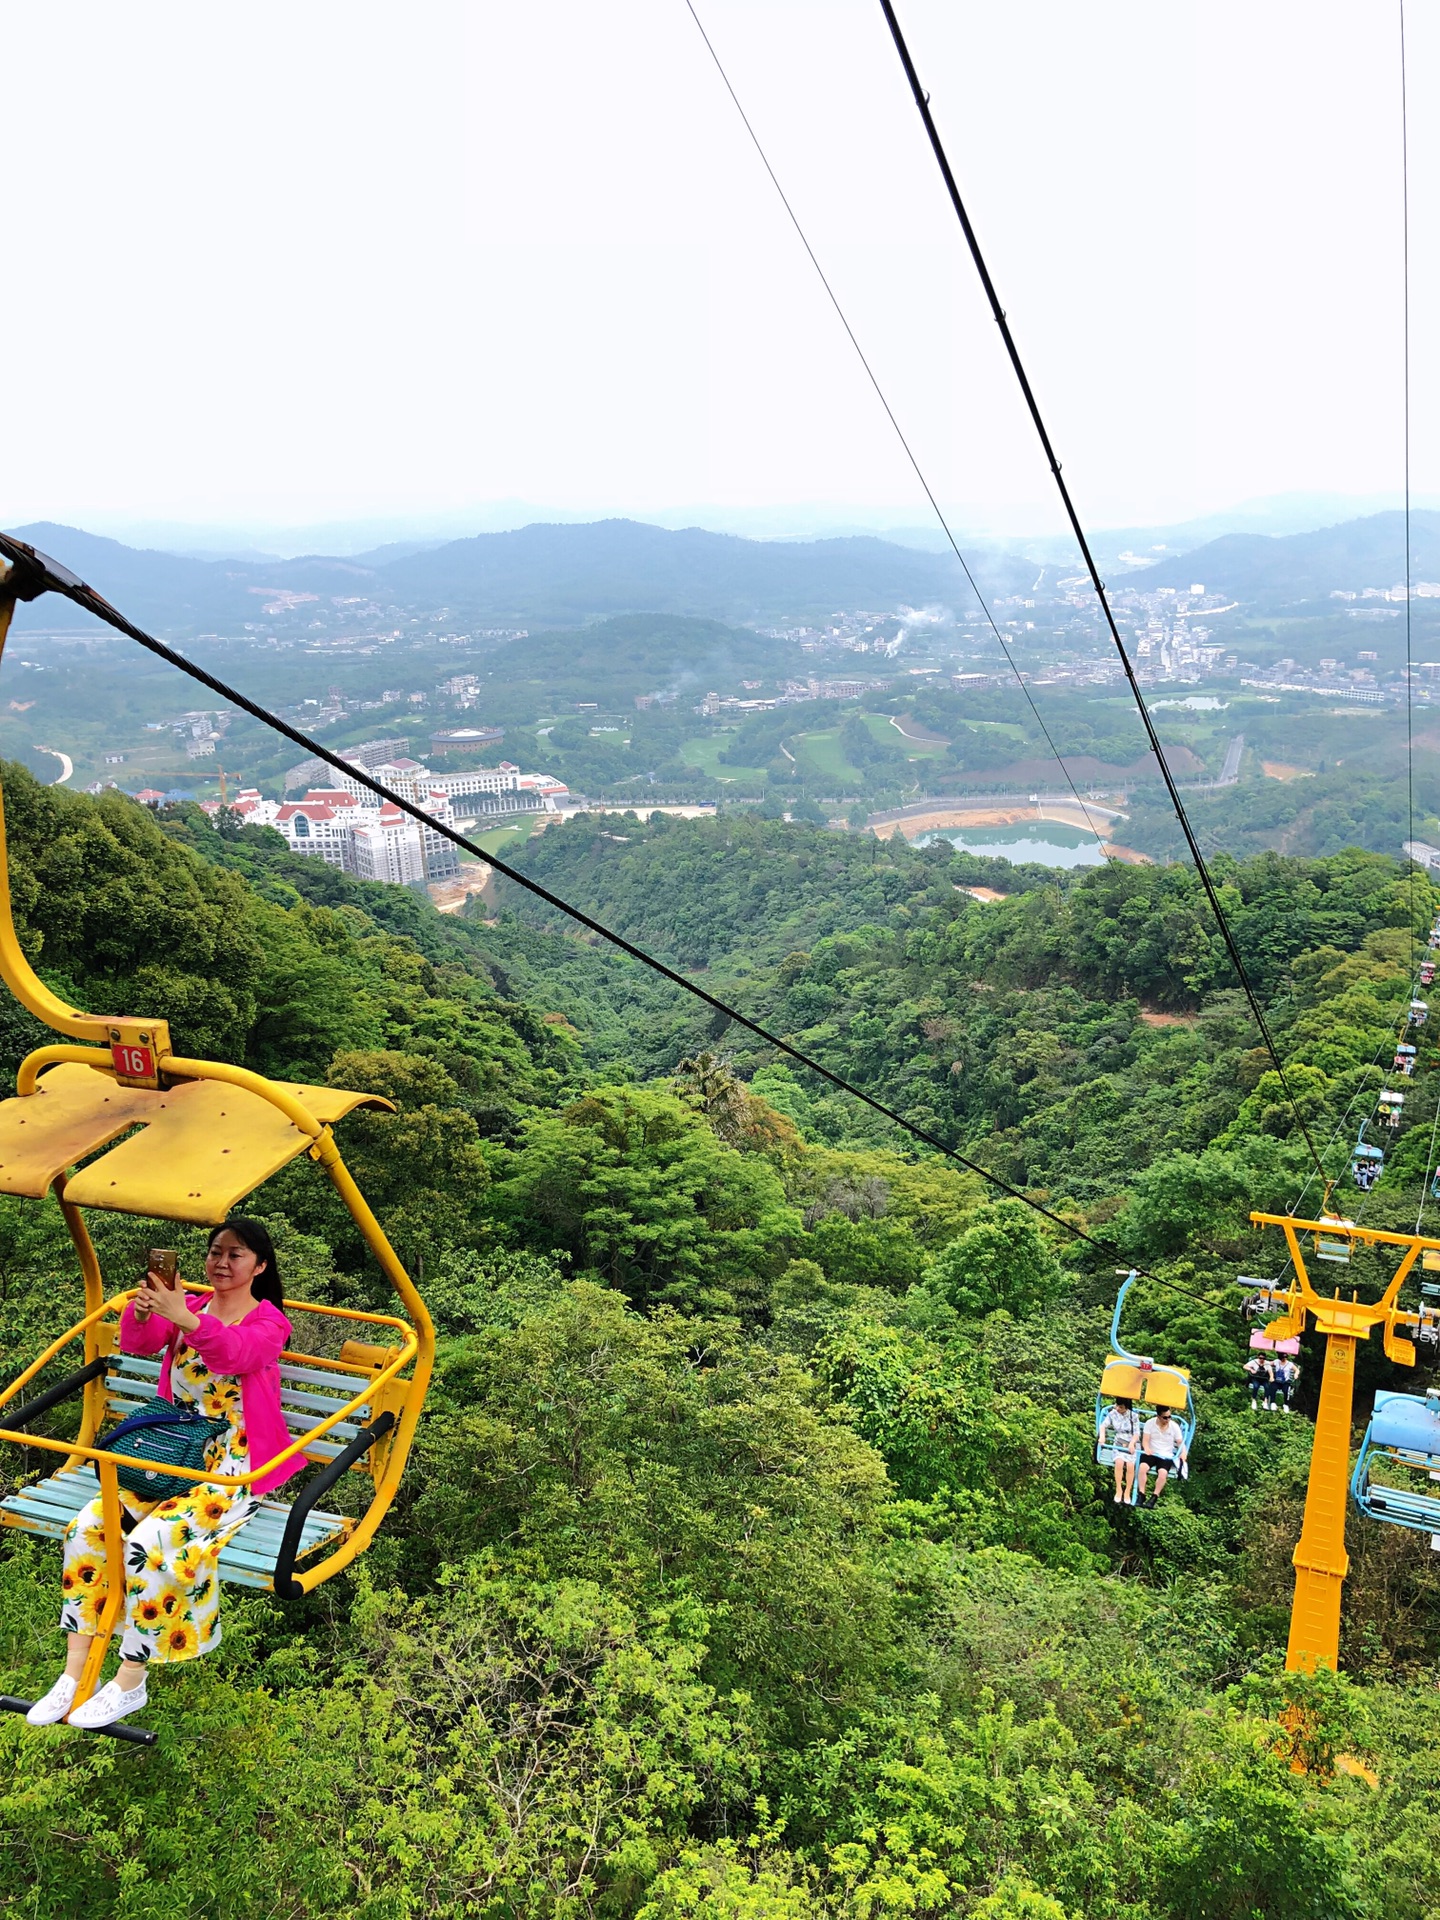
922 103
900 435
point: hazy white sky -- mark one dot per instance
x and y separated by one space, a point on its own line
287 263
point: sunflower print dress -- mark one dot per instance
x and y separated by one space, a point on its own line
172 1587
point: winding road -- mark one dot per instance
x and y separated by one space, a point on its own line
67 765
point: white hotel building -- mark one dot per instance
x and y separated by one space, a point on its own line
343 825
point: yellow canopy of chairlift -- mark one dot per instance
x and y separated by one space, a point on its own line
1147 1386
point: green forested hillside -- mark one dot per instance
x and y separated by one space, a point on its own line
753 1563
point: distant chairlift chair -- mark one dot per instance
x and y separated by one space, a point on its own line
1142 1381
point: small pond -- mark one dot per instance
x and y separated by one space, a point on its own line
1044 843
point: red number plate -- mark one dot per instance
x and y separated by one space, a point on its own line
133 1063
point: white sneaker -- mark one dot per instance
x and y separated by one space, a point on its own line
102 1709
55 1705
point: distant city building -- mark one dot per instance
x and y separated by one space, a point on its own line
386 844
441 856
253 810
342 824
496 790
465 739
321 825
368 754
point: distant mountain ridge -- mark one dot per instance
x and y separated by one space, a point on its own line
560 575
1276 570
568 574
625 566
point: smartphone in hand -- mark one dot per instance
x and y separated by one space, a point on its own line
165 1262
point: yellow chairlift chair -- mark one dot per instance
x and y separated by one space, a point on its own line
1142 1381
114 1119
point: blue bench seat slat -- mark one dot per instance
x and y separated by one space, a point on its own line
347 1384
343 1385
248 1560
342 1431
1403 1503
68 1492
292 1400
55 1510
263 1530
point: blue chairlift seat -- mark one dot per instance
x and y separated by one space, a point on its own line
1365 1164
307 1394
1404 1433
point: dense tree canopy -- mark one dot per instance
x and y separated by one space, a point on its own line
753 1562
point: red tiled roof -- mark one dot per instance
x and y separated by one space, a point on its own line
311 810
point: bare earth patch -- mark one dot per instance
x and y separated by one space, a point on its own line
1278 770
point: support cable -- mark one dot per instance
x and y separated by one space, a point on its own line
1405 361
1427 1172
33 573
1414 870
909 451
922 103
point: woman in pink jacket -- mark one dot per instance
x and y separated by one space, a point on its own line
221 1355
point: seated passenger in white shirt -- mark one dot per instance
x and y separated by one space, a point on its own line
1162 1446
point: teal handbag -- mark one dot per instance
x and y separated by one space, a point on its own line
179 1437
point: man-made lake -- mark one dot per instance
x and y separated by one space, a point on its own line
1047 843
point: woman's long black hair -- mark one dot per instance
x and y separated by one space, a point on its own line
255 1236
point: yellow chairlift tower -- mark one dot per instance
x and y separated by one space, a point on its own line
1321 1561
